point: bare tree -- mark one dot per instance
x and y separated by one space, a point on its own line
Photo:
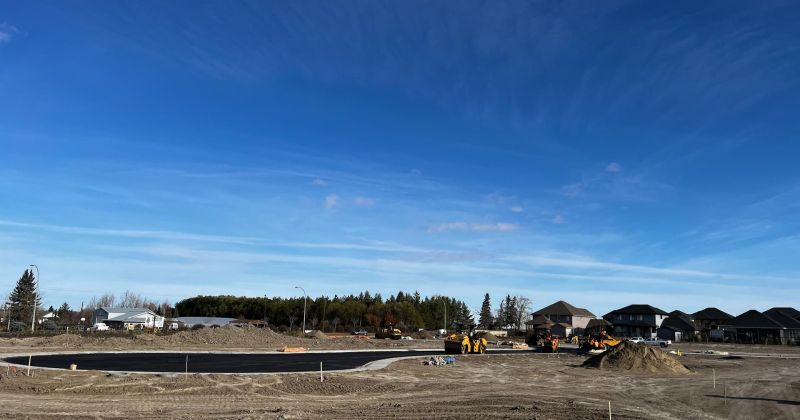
292 319
131 300
523 310
107 300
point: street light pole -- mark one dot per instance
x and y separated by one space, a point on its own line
445 314
305 300
35 295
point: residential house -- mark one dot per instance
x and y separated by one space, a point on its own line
789 319
708 321
560 318
636 320
753 327
128 318
678 327
597 326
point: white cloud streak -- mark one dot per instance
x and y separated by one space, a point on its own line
331 201
7 32
364 201
473 227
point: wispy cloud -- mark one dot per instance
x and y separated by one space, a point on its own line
559 219
319 182
517 209
7 32
331 201
364 201
475 227
572 190
614 167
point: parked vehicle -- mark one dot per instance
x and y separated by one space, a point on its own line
637 340
655 341
100 327
360 332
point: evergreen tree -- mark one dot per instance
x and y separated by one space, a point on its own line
501 315
24 297
511 311
486 320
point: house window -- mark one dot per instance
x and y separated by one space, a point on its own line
638 317
618 317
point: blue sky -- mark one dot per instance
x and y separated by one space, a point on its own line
602 153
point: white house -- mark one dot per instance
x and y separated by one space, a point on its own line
128 318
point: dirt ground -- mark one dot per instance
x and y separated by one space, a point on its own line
530 386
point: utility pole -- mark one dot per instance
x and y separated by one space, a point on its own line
35 295
444 304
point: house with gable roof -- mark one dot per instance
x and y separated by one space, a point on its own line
128 318
560 319
636 320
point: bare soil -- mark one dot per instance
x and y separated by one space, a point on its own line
529 386
637 358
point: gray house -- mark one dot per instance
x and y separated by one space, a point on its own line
128 318
636 320
561 319
678 327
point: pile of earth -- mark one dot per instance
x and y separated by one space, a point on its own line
423 335
636 358
318 335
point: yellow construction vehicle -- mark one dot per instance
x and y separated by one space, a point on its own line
389 331
600 343
465 342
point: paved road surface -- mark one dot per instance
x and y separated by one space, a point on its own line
217 362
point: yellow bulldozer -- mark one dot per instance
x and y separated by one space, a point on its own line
388 331
465 342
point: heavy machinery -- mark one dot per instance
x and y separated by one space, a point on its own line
388 331
599 343
550 344
464 342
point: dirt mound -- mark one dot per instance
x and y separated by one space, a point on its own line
636 358
423 335
318 335
488 336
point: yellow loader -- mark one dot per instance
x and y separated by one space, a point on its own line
464 343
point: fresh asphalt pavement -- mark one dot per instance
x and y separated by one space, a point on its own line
220 362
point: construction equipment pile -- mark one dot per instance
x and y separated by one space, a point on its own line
633 357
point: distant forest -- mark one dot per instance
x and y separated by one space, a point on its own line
408 311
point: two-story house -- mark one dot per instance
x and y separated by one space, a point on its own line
560 318
709 319
636 320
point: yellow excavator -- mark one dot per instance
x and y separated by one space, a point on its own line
465 342
389 331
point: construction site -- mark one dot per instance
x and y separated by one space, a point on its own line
404 379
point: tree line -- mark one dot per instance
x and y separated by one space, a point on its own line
407 311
